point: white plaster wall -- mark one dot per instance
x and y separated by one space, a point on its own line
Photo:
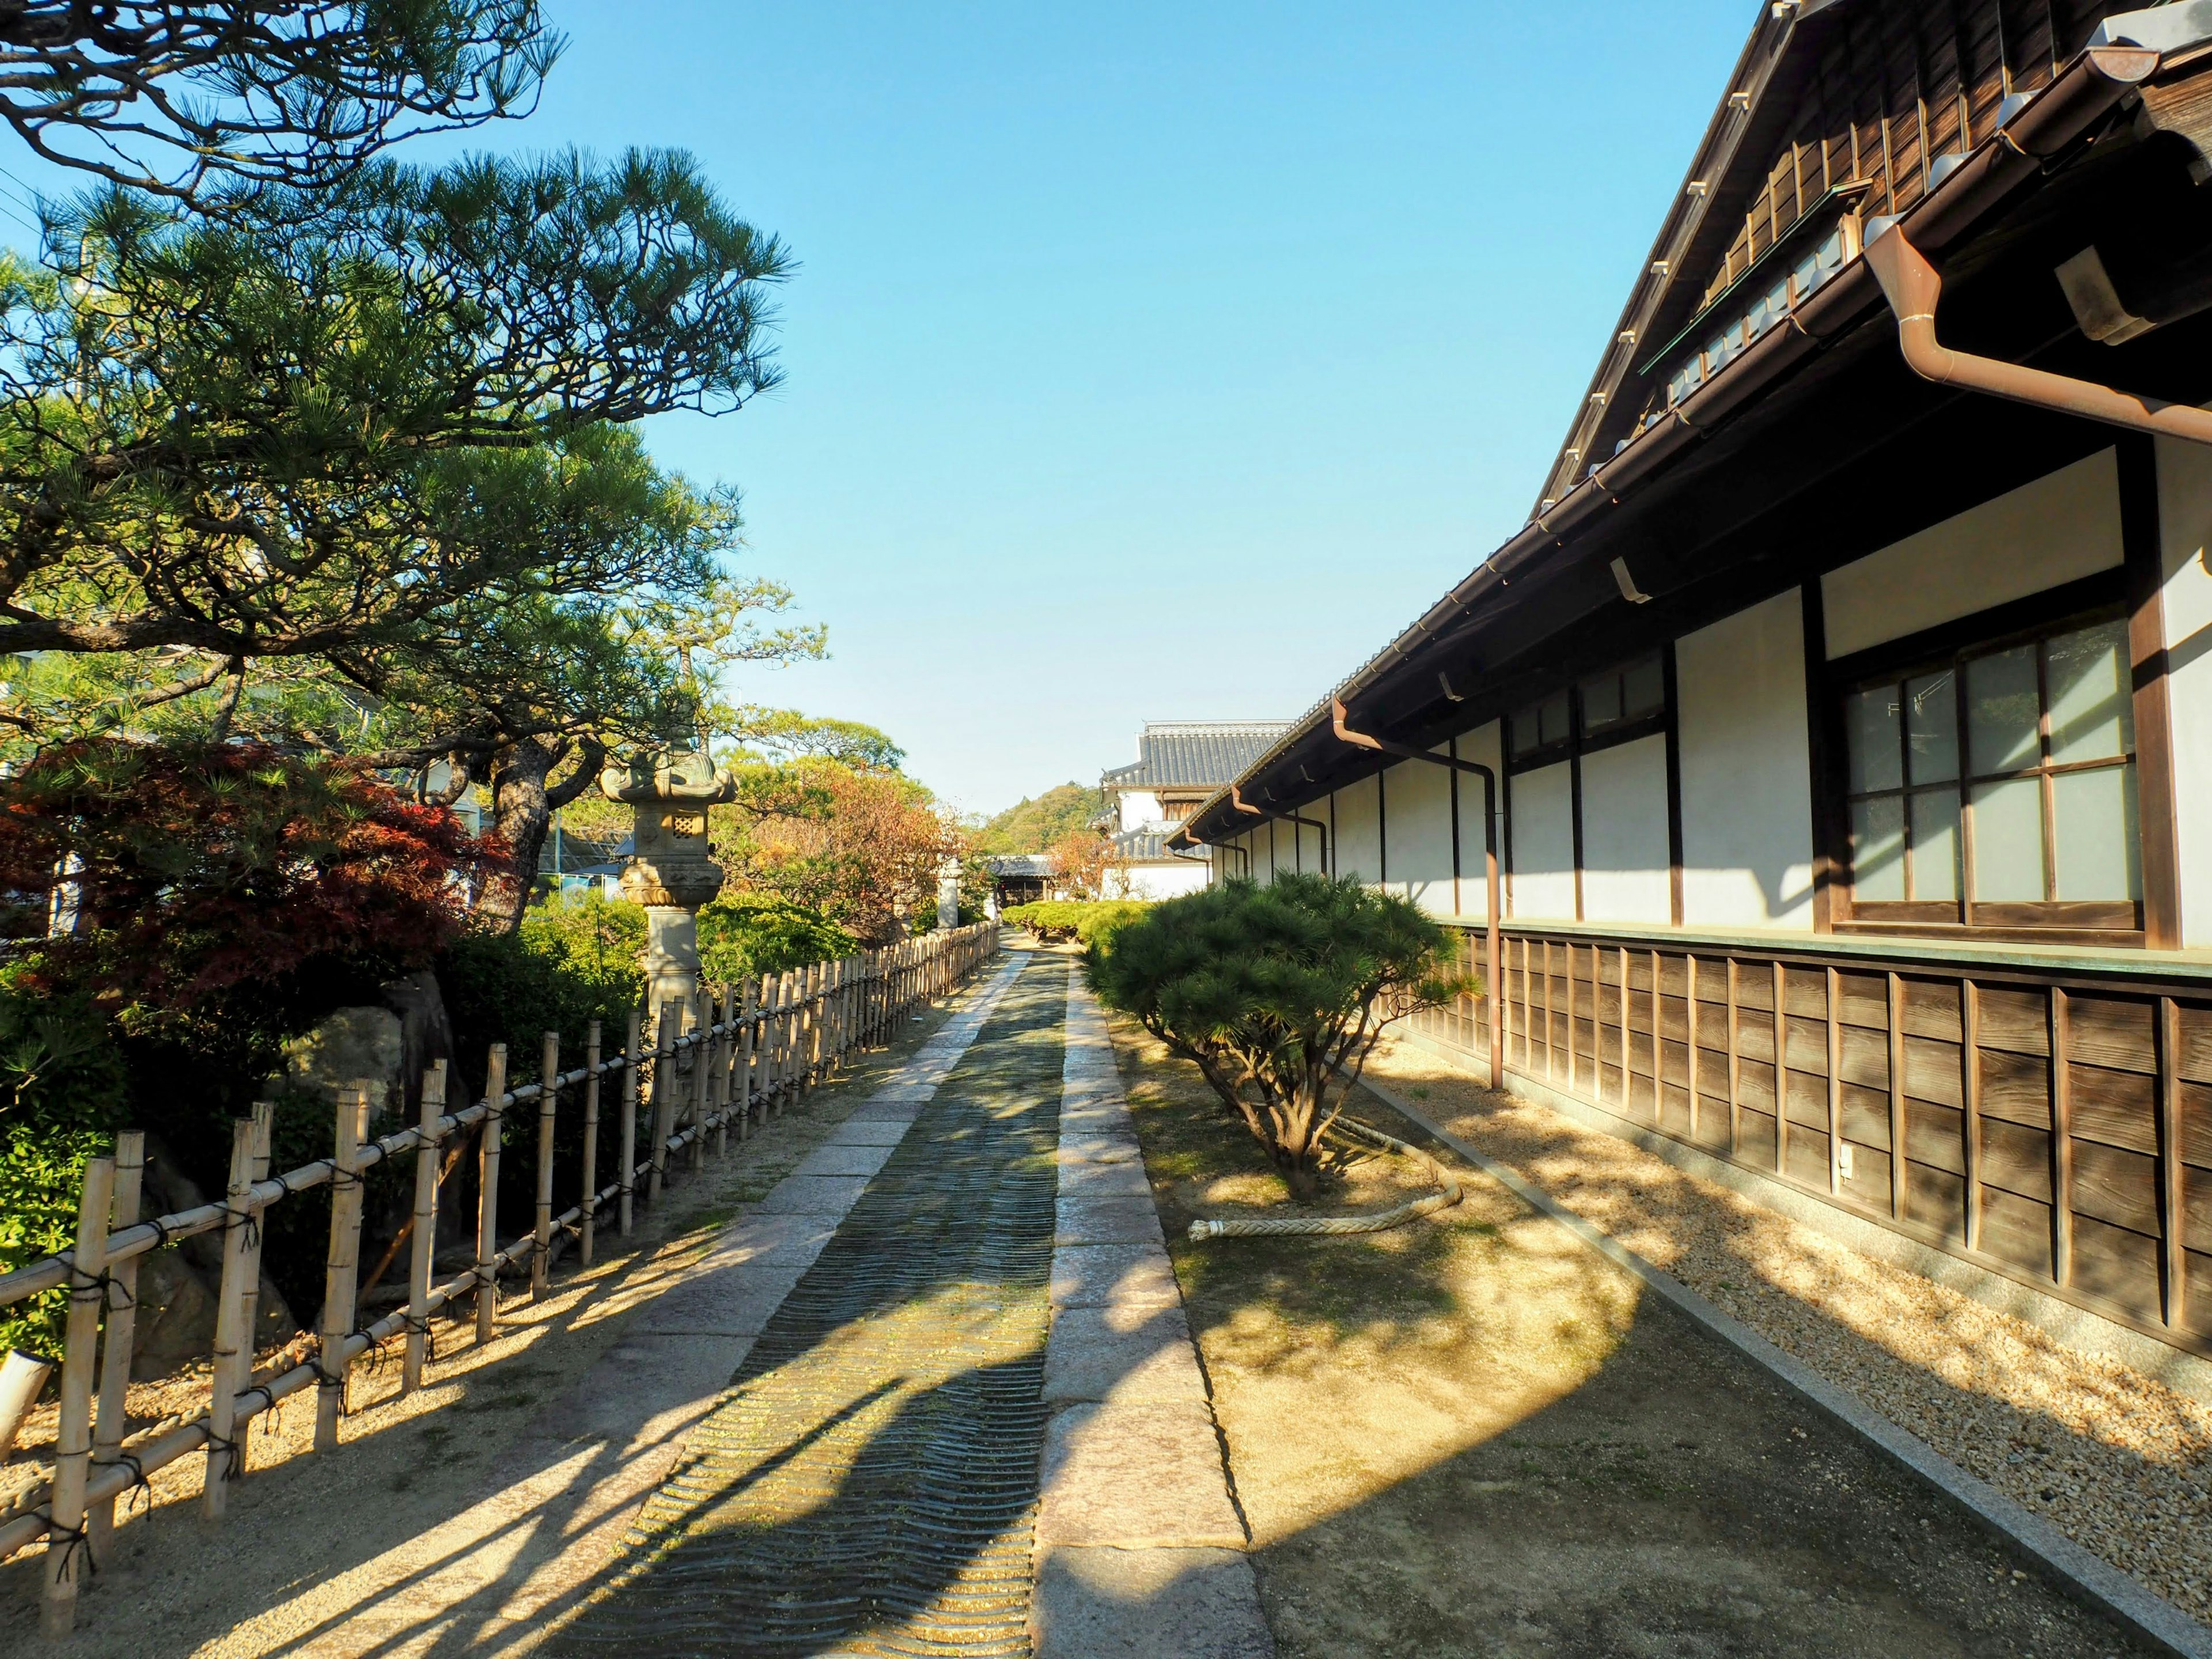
1358 850
1747 770
2063 525
2184 513
1626 866
1163 881
1418 824
1301 843
1139 808
1480 745
1543 845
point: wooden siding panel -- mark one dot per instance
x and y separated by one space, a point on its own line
2016 1087
1931 1010
2117 1108
2116 1186
1933 1071
2115 1265
2016 1230
1936 1198
2115 1032
2016 1159
2016 1020
1936 1135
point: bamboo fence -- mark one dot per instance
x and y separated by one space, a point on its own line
750 1051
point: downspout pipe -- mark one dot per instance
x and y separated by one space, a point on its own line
1913 286
1493 990
1237 800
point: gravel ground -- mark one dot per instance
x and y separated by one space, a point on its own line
2117 1461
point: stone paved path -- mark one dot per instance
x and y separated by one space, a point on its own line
992 1318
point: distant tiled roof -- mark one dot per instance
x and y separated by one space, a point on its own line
1020 864
1195 753
1145 846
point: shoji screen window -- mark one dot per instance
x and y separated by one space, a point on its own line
1997 789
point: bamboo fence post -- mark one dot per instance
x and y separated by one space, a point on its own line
115 1346
787 1034
770 1023
249 1319
748 1033
234 1339
340 1268
422 1252
591 1201
549 1101
702 1025
664 1096
718 1087
817 1005
488 1194
626 1143
66 1546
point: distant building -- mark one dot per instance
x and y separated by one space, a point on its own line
1180 764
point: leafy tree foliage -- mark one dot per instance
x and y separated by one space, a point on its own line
181 873
745 935
1033 824
1082 862
1278 995
201 98
861 848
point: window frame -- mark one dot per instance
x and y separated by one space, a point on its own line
2090 602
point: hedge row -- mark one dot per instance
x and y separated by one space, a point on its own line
1091 922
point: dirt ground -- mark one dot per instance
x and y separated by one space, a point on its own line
1472 1435
276 1569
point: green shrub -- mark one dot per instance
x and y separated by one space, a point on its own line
745 935
573 961
1278 995
61 1098
1093 922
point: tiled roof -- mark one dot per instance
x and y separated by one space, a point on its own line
1195 753
1145 846
1020 864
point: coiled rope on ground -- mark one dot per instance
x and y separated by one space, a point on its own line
1383 1221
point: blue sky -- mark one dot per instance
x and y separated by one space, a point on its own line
1145 362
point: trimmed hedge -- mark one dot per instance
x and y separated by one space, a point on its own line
1091 922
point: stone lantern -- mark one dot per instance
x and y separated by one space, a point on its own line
668 870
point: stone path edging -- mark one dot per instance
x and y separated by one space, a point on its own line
1140 1546
2087 1575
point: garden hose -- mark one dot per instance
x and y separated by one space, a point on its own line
1383 1222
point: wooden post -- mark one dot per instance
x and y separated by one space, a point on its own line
717 1088
1899 995
591 1197
1734 1066
702 1018
549 1101
1835 1084
748 1027
818 1004
422 1244
234 1342
1969 1062
341 1266
115 1346
66 1549
1781 1069
487 1193
664 1094
626 1139
2062 1139
2173 1260
264 1130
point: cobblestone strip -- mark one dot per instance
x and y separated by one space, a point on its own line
867 1482
1140 1548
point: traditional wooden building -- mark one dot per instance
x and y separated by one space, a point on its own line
1847 698
1179 764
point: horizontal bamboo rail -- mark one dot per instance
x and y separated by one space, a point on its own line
751 1050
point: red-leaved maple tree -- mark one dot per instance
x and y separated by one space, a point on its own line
187 870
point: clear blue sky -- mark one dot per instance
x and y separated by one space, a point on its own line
1146 361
